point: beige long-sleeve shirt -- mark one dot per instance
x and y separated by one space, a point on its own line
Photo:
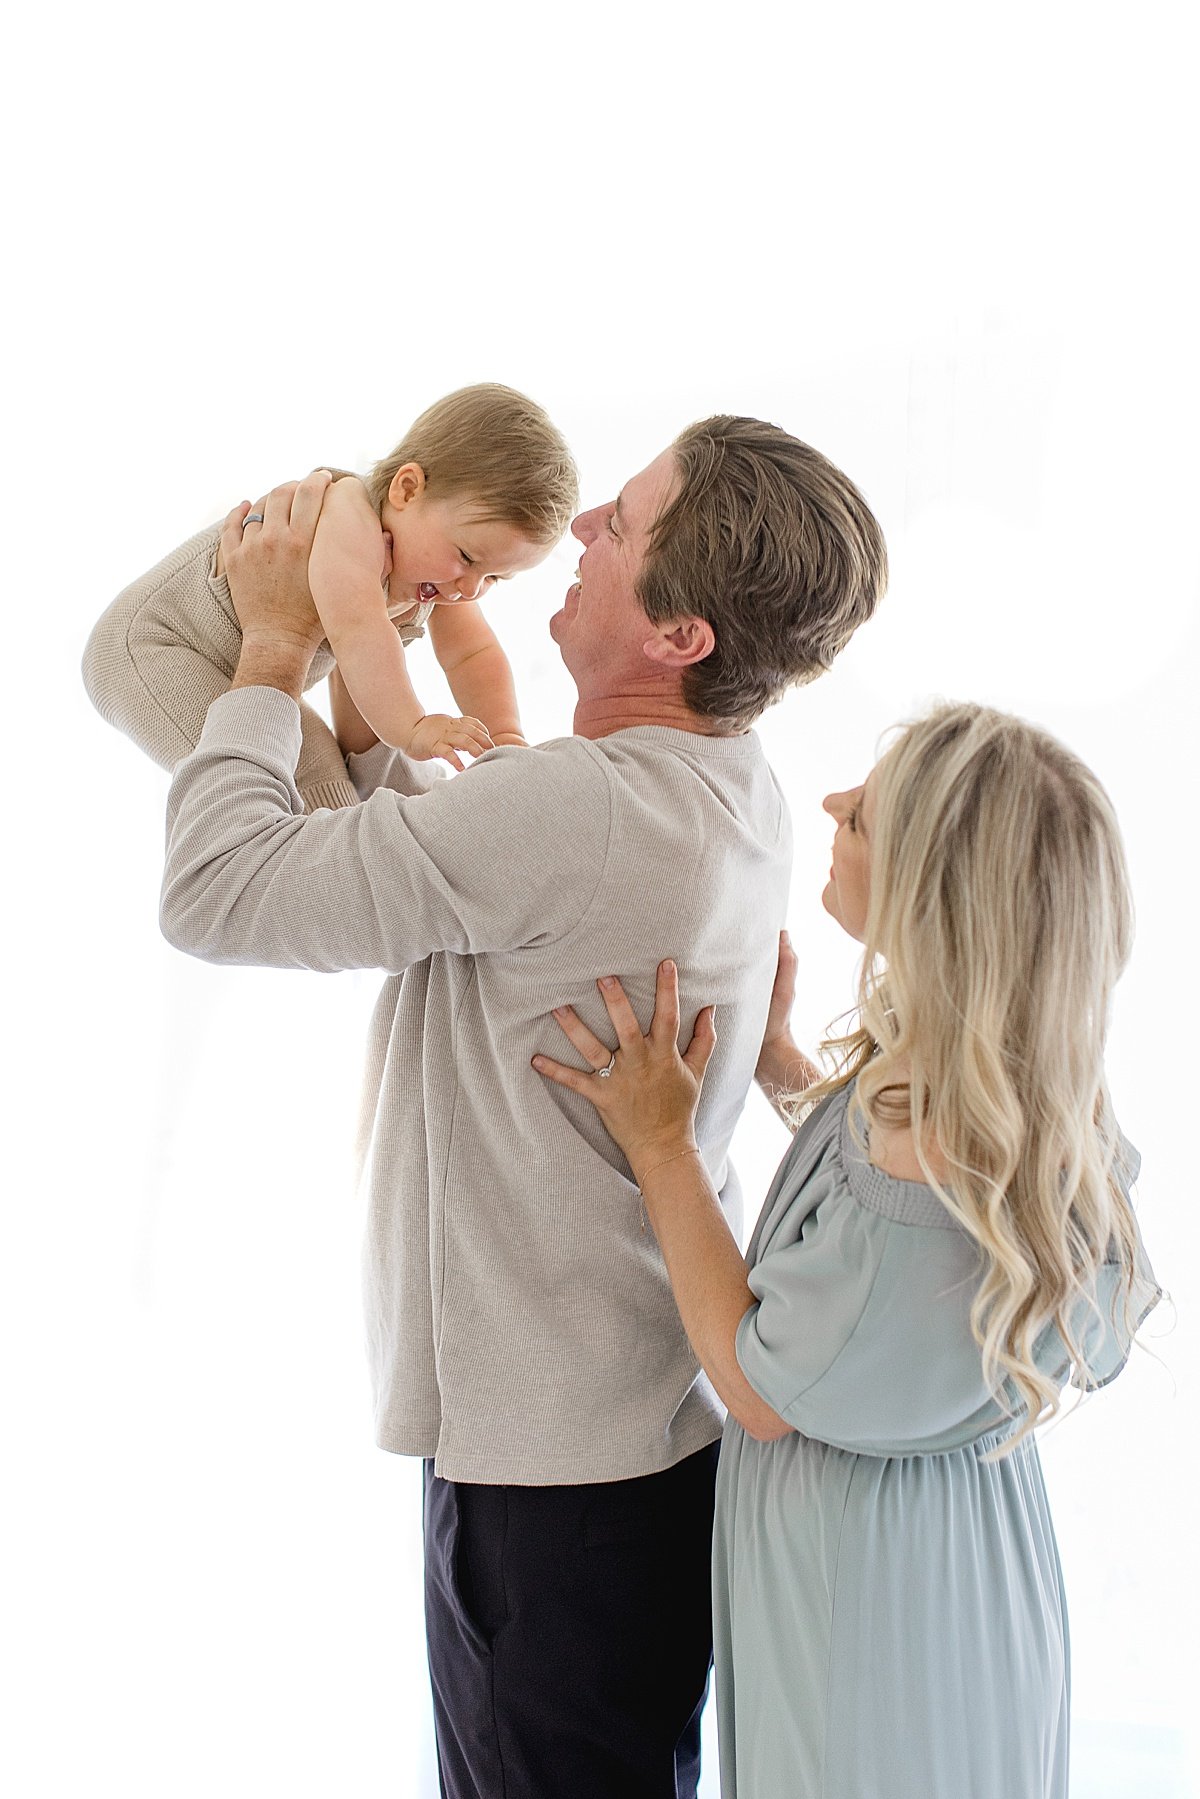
520 1320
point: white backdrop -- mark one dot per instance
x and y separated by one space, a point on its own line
951 248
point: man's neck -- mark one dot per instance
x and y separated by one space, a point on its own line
600 717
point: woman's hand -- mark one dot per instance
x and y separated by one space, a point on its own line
783 1067
648 1102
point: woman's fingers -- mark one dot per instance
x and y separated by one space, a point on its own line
585 1040
616 1004
577 1079
664 1026
704 1041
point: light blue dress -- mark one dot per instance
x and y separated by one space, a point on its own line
888 1607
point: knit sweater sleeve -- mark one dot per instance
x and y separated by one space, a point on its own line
506 855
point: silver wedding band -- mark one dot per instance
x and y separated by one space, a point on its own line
252 518
602 1074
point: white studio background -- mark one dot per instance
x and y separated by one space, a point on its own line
950 247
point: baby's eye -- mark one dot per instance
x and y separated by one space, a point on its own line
469 560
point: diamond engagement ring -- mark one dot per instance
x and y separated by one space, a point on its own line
602 1074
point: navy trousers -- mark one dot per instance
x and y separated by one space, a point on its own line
570 1634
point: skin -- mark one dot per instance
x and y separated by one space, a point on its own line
367 569
627 670
847 894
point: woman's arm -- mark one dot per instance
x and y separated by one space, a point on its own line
648 1105
783 1069
477 668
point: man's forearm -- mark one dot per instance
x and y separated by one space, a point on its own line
273 661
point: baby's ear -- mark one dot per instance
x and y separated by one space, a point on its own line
407 482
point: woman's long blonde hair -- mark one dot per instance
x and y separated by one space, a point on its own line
1000 918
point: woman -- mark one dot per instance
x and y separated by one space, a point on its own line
948 1239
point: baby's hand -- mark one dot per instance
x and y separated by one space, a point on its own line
439 735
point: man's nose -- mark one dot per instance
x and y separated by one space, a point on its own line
584 527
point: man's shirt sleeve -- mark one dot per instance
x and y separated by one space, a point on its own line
508 854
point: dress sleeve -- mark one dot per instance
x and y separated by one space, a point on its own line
861 1336
474 864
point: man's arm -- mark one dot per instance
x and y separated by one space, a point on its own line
267 568
508 855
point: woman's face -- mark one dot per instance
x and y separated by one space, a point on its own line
848 891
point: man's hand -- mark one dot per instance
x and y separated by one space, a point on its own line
267 567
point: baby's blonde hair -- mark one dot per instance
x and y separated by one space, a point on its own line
497 448
1000 918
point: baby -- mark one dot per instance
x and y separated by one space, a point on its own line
480 489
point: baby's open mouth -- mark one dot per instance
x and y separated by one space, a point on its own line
427 590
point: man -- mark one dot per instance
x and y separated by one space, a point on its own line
523 1336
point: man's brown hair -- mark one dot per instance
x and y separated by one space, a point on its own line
775 548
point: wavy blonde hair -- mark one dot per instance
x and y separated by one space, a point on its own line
1000 918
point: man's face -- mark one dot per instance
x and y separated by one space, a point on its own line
602 627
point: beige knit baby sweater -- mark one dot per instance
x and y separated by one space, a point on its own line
167 647
520 1320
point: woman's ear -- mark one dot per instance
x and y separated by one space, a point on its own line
681 642
407 482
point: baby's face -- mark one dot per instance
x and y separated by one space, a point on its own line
442 552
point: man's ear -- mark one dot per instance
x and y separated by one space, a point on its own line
407 482
681 642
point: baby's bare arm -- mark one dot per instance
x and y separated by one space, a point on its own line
477 668
351 729
346 571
